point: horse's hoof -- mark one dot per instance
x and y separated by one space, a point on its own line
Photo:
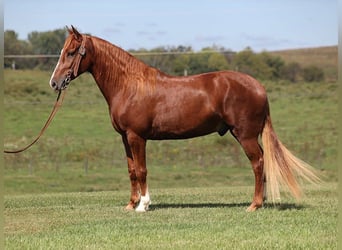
143 207
141 210
130 206
253 207
144 204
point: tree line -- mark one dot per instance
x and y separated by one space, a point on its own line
177 60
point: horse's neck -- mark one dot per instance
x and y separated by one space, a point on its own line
114 70
109 67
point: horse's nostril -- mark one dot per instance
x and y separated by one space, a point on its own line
53 84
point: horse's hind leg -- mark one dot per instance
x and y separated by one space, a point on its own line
255 155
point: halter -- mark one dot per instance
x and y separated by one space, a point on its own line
76 64
81 53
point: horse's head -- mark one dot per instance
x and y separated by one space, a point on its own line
72 61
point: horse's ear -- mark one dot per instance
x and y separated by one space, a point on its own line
69 30
74 31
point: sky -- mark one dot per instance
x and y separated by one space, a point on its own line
233 24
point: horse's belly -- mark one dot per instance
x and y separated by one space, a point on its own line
186 128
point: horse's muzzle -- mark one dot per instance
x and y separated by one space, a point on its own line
60 86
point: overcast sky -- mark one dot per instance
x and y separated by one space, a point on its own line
133 24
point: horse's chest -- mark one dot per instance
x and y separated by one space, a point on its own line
135 118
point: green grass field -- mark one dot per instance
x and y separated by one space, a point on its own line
180 218
68 191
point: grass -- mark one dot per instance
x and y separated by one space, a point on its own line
68 191
180 218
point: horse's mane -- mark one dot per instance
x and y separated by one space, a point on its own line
123 69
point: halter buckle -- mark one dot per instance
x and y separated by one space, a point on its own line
82 50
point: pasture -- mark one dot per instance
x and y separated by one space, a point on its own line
180 218
68 191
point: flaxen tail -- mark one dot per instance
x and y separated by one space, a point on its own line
281 167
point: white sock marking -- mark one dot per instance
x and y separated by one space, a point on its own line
144 203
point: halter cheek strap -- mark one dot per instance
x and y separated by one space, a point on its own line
81 53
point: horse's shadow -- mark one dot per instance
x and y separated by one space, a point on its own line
276 206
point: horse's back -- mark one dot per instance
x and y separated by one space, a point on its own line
234 89
238 81
230 93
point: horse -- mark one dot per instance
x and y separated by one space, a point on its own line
147 104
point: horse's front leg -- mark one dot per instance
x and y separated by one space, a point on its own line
137 146
135 196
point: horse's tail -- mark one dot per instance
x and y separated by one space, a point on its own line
281 167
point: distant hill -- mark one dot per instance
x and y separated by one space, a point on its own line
323 57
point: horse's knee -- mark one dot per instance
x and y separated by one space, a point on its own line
254 153
141 174
258 166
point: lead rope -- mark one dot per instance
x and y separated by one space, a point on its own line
58 103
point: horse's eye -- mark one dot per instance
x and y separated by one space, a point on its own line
71 53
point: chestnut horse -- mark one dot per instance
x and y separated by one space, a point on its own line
145 103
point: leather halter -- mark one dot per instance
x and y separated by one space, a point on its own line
80 54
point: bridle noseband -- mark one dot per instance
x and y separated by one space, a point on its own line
75 66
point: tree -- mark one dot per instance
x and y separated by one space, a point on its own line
198 63
47 43
250 63
207 60
275 64
217 61
14 46
291 71
181 64
313 74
